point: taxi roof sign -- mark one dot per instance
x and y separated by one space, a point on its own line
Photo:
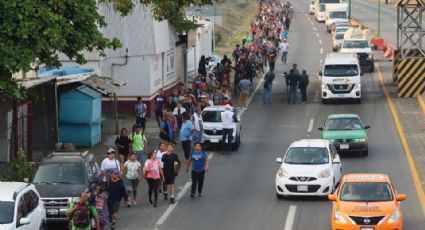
366 177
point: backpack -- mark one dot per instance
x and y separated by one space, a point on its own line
81 217
304 80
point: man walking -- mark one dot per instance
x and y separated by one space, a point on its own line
138 143
303 86
186 132
284 46
268 82
198 124
140 109
81 213
227 118
160 100
244 87
293 79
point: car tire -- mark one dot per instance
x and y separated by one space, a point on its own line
237 143
366 153
43 226
358 101
280 197
372 68
324 101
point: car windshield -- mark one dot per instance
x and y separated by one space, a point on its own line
60 174
366 192
339 36
343 124
6 212
307 156
211 116
341 30
358 44
338 14
340 70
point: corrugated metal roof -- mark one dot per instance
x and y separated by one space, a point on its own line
89 91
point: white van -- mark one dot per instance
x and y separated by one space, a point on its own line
340 77
335 13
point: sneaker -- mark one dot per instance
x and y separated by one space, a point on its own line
150 200
160 191
129 205
199 195
192 195
134 203
172 200
165 196
155 205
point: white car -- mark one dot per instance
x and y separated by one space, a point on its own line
310 167
337 39
21 207
213 129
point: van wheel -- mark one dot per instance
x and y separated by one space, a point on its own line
372 68
43 226
358 100
279 197
366 152
324 101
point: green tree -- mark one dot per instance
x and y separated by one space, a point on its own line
38 30
19 169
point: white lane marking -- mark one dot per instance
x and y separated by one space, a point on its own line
321 50
320 41
395 24
317 35
311 23
171 207
290 217
310 126
314 28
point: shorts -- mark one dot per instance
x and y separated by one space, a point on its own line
115 206
158 113
169 178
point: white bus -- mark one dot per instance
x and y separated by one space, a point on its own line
319 8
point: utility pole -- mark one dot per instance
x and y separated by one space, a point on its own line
379 18
349 9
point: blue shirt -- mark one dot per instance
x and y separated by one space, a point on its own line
198 161
166 125
185 131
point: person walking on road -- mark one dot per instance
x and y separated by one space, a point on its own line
116 190
198 124
81 213
165 130
267 88
153 174
200 165
171 167
101 202
141 110
123 144
160 101
284 47
293 79
227 119
109 164
186 133
295 68
160 152
138 143
244 87
133 174
202 66
303 86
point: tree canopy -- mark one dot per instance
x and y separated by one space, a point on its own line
38 30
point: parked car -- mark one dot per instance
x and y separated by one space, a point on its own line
60 179
347 133
21 207
213 129
310 167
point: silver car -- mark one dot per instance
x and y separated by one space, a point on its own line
213 129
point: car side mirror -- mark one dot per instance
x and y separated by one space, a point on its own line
361 72
367 127
320 128
24 221
331 197
320 73
26 179
279 160
374 47
401 197
336 161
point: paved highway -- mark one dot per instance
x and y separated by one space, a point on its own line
239 189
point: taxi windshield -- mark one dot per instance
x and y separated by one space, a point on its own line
307 156
343 124
366 192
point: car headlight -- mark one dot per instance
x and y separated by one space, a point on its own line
325 87
282 172
339 218
325 173
358 86
395 217
360 140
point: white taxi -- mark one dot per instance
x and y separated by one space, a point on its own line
310 167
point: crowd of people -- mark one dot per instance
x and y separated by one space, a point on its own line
179 118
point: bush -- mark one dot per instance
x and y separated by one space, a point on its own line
18 170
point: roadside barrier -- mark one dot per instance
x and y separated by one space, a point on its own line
389 53
421 102
410 74
396 57
378 42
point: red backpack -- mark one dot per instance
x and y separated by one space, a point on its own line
81 216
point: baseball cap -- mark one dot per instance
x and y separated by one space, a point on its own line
111 150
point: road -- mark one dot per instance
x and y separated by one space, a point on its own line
239 189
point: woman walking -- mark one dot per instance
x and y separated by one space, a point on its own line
133 174
200 165
123 145
153 174
159 153
116 192
171 166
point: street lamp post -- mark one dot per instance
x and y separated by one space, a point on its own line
379 18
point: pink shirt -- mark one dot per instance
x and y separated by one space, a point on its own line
155 165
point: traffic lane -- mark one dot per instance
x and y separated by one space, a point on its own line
239 190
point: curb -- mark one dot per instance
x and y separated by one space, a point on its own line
421 102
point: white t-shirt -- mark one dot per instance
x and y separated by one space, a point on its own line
132 169
197 122
110 165
227 119
159 155
176 110
284 47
